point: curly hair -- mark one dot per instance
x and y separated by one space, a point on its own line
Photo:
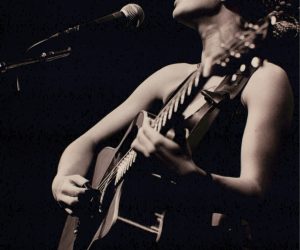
286 13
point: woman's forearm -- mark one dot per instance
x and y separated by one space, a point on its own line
235 194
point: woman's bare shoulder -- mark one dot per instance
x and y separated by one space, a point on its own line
268 95
269 81
166 79
269 69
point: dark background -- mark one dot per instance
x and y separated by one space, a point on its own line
62 99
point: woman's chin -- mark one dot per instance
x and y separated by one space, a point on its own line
176 13
183 18
179 15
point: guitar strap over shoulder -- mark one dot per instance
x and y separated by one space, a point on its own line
228 90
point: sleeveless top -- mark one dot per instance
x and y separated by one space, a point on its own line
218 152
220 149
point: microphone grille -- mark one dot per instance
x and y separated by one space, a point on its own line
134 14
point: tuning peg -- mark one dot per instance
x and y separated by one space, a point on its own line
256 62
246 24
237 55
242 67
223 64
249 45
234 77
273 20
256 27
242 37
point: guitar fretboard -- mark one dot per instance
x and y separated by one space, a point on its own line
169 112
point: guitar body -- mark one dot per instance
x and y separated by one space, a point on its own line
135 203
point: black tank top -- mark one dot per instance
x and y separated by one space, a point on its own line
220 149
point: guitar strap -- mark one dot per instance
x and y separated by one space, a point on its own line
228 90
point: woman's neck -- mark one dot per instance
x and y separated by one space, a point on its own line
217 30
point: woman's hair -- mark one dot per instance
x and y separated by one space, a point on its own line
286 13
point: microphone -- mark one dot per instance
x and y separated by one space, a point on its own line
130 15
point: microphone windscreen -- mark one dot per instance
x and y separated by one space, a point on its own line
134 14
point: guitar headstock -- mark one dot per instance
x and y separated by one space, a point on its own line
243 47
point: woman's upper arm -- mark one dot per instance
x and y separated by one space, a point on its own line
153 88
269 101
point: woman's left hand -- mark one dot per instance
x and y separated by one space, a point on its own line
176 157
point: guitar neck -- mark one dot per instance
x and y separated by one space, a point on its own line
171 113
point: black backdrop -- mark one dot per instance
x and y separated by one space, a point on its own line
62 99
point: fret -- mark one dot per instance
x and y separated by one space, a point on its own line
170 110
176 103
189 90
122 169
127 163
133 153
182 97
120 172
159 124
165 118
156 126
196 82
117 176
132 158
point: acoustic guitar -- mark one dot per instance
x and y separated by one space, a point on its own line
128 199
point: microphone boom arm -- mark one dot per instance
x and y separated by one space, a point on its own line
44 57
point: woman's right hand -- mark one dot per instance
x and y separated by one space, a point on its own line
67 189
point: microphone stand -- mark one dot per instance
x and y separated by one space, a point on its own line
44 57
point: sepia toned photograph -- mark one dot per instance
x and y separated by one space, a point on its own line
149 125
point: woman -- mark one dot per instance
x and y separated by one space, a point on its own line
235 187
